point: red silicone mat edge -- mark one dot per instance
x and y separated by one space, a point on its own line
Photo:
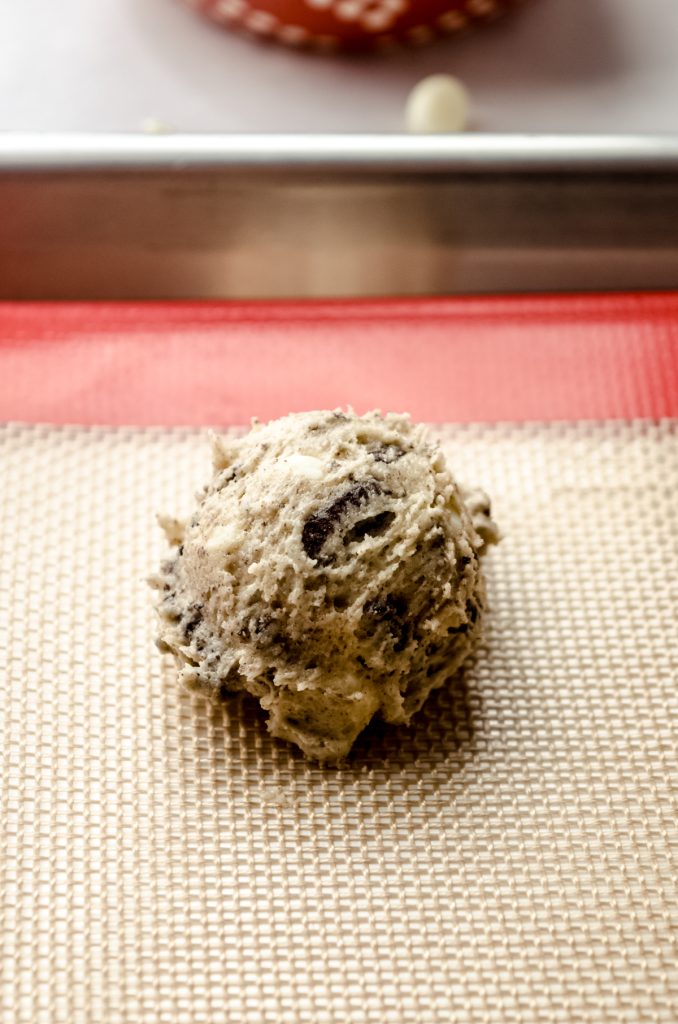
542 358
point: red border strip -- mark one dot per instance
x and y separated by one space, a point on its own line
461 359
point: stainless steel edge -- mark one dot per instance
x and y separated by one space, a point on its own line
190 216
476 153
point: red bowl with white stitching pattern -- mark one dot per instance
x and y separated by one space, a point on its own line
353 24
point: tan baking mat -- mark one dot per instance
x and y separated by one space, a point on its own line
511 858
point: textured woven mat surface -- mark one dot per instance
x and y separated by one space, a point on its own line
512 857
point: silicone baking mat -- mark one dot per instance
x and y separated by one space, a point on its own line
512 856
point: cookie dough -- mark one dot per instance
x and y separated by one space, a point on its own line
331 569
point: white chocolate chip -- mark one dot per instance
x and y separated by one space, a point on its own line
224 538
305 465
154 126
438 103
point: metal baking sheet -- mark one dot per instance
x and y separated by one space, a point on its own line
193 216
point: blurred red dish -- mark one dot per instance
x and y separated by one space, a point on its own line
355 24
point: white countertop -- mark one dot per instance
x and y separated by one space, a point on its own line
107 65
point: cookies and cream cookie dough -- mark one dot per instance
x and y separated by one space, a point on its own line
331 569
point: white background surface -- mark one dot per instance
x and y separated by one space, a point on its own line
559 65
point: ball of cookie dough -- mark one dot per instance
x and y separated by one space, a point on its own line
331 569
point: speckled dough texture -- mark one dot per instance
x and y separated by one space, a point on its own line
332 570
508 858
